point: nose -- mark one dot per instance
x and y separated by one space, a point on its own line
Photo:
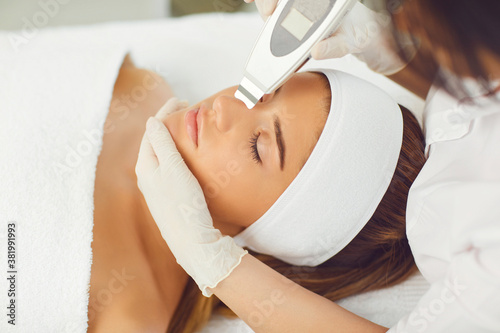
229 112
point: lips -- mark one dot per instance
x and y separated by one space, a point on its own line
191 120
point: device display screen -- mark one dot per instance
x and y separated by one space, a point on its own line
296 24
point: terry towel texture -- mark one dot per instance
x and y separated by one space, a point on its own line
55 93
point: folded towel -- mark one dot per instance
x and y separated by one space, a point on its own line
55 92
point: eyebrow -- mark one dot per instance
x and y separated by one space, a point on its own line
279 141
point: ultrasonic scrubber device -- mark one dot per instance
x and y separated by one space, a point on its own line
285 43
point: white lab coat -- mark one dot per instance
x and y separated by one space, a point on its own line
453 218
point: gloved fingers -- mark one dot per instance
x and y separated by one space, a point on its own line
162 144
361 29
269 6
333 47
147 162
349 40
171 106
265 7
345 41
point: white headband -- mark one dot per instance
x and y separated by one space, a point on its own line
341 184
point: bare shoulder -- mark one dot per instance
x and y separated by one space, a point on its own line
137 95
140 88
127 61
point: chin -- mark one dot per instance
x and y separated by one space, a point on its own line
174 123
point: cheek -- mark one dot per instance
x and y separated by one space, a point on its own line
233 195
241 197
220 171
220 161
230 181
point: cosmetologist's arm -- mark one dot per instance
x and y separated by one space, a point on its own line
269 302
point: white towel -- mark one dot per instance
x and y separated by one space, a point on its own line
55 93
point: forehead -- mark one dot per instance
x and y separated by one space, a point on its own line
301 80
309 87
304 105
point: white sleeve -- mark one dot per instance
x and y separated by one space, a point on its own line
467 299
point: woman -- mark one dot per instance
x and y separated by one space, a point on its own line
231 170
453 205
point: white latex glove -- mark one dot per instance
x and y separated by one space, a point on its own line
265 7
364 33
369 36
178 206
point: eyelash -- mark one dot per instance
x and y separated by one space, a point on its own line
255 137
253 147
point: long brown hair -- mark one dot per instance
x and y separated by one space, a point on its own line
379 256
461 28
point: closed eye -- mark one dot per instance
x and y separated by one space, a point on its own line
253 147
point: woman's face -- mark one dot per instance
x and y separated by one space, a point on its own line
245 159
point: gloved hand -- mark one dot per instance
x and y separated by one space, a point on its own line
364 33
369 36
177 204
265 7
